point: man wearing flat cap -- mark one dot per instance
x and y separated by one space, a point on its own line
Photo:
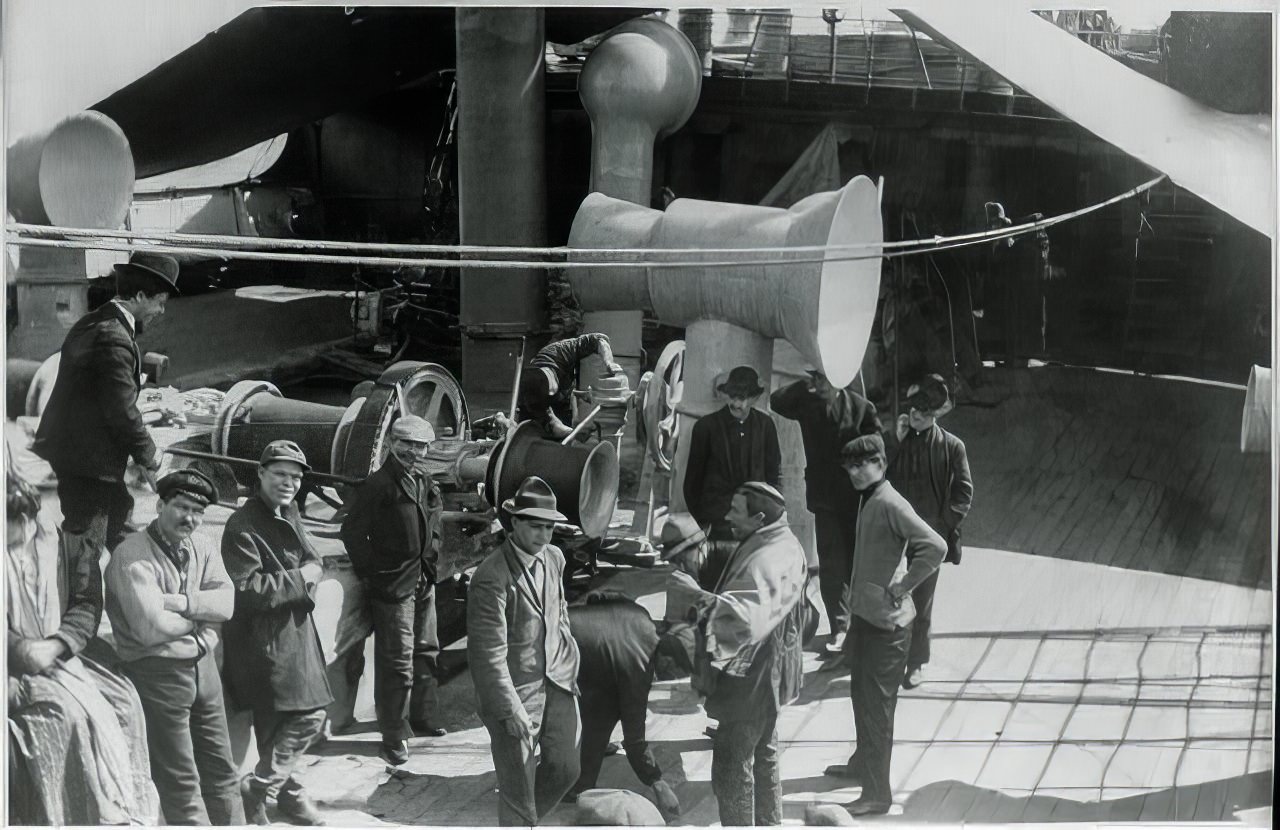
829 418
167 593
392 535
896 551
91 425
274 662
733 445
524 661
930 468
751 667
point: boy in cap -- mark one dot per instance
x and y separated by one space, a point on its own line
91 425
829 418
733 445
752 636
524 660
274 662
896 551
546 385
930 468
167 592
392 535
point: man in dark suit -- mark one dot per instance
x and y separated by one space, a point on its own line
524 660
733 445
829 418
91 425
274 663
392 535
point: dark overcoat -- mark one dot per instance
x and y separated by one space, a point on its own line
272 657
714 471
91 424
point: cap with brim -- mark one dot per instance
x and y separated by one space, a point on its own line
680 532
534 500
862 448
188 482
413 428
767 490
284 450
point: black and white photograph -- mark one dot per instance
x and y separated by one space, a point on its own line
432 414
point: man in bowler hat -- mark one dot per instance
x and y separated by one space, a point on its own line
524 660
733 445
392 535
91 425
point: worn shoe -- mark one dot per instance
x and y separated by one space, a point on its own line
612 748
842 771
394 753
710 732
255 803
423 729
867 808
836 646
914 677
299 809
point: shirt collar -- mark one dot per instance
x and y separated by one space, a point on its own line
128 316
872 488
171 549
523 555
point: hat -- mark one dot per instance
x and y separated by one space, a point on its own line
534 500
189 482
161 266
929 395
284 450
743 382
680 532
763 498
413 428
862 448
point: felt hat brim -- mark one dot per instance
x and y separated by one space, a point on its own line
533 512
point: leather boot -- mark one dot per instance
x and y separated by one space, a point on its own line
299 809
255 802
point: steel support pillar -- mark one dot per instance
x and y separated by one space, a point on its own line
502 189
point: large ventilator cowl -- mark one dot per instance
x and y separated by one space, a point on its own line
822 303
78 174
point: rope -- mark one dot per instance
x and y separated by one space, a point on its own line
238 247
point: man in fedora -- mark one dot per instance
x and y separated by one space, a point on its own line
930 468
392 535
524 660
167 593
829 418
683 544
91 425
733 445
274 662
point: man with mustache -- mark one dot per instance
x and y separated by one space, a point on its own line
91 425
167 592
275 665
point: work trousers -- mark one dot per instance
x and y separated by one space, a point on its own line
835 536
744 772
358 620
405 650
879 658
94 509
187 739
922 596
530 787
282 739
600 714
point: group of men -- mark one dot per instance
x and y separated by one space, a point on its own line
552 682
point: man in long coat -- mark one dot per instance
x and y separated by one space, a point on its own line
829 418
392 536
524 660
274 663
930 468
91 425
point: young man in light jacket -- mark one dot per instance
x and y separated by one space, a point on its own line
896 550
166 594
753 644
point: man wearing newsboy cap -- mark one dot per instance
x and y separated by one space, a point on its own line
91 425
392 536
166 594
524 661
273 658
